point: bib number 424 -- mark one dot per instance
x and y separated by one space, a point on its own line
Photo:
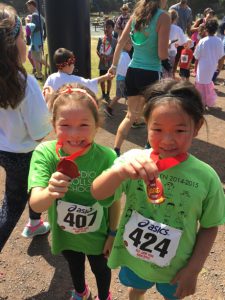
151 242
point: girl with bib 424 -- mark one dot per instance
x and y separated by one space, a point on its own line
174 201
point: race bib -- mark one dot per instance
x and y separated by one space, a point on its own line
105 48
184 58
77 218
151 241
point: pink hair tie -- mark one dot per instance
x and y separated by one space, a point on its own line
70 90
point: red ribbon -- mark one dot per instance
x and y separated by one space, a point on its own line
168 162
155 187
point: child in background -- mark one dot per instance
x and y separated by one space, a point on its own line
185 61
120 78
177 38
24 122
28 42
105 50
208 52
165 244
65 60
80 227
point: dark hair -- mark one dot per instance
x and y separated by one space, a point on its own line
62 98
13 76
144 12
109 22
62 55
211 26
183 93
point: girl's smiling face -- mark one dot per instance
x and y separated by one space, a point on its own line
171 130
75 127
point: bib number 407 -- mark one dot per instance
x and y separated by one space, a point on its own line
79 220
151 244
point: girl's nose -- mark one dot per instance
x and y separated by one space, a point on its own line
168 138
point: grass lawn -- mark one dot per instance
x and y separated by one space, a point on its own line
94 66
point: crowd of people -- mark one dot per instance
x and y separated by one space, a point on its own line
166 229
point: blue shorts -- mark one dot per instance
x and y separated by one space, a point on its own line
129 278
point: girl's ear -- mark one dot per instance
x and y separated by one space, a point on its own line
198 127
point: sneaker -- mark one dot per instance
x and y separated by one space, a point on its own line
138 125
86 295
108 298
117 150
107 98
38 77
108 111
32 231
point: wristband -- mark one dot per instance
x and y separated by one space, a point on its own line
114 67
112 232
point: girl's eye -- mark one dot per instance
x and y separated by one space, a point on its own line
156 129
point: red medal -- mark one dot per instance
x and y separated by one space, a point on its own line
155 187
67 166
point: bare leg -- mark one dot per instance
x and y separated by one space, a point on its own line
135 108
113 101
135 294
103 87
109 84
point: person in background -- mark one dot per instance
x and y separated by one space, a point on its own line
120 78
38 36
176 38
185 60
105 50
184 22
174 201
80 227
64 60
122 19
149 28
28 42
24 122
209 52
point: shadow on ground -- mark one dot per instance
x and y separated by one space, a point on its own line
60 283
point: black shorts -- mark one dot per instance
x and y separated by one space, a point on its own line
184 73
102 72
138 79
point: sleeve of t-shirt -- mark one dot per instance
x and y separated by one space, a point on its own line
34 111
214 204
111 156
48 82
182 38
32 26
197 51
41 168
92 84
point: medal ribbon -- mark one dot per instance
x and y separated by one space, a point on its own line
72 156
104 45
168 162
155 187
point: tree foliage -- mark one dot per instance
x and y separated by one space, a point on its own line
114 5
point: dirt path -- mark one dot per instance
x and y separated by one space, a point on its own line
29 270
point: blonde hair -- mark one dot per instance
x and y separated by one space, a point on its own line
144 11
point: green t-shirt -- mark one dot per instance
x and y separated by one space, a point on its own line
194 196
90 165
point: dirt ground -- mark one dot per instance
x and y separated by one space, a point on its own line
28 271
